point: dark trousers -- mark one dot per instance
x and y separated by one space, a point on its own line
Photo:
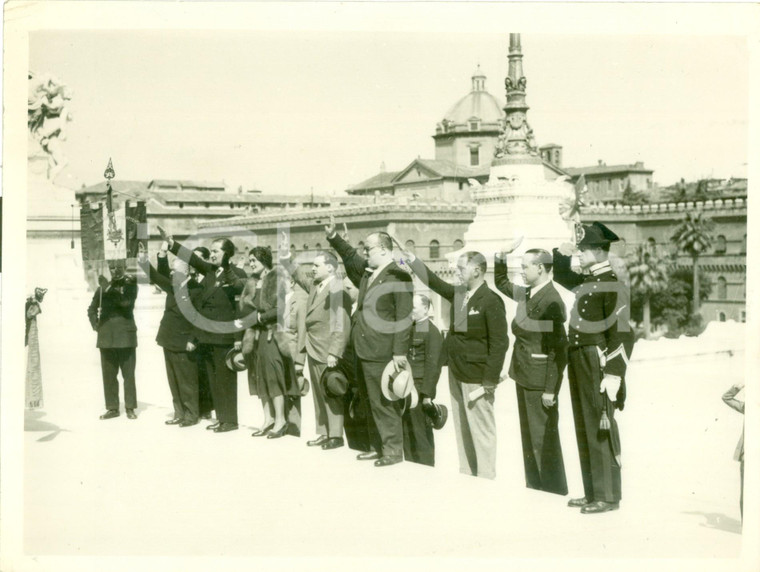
386 430
600 471
356 421
111 361
182 374
542 451
419 446
223 382
205 401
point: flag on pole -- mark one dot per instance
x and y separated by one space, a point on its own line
108 236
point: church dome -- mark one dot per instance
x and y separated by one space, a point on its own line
478 104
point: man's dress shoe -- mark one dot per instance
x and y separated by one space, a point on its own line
205 415
318 441
224 427
279 433
387 460
131 414
332 443
188 423
175 421
263 431
213 426
579 503
368 456
600 506
110 414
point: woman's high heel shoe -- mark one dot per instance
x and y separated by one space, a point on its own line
279 433
263 431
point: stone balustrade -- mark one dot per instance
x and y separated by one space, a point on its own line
668 207
378 208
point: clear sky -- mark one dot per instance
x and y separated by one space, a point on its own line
287 111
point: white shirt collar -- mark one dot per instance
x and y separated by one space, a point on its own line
534 289
470 293
321 285
379 269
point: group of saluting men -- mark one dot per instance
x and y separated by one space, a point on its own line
374 356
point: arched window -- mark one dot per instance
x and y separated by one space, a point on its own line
409 246
458 244
720 244
318 246
721 316
744 244
722 288
435 249
651 242
306 247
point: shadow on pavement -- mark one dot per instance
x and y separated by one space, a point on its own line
719 521
33 422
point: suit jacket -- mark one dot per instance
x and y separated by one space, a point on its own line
382 323
116 327
175 329
539 357
426 357
216 303
477 341
327 317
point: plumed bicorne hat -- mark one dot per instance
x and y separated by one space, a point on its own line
594 234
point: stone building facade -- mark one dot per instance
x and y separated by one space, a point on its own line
725 264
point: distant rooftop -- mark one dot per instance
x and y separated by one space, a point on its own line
184 184
603 169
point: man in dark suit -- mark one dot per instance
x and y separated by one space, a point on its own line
355 421
600 343
205 402
538 362
328 326
425 359
111 315
176 335
215 322
475 348
380 332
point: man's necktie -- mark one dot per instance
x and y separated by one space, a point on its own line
466 299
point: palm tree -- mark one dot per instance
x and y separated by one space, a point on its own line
648 273
693 237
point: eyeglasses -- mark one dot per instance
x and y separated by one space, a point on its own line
368 249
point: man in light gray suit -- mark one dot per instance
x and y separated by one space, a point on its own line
327 333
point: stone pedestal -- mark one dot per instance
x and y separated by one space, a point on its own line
521 198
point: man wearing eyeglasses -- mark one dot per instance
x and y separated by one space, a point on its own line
380 332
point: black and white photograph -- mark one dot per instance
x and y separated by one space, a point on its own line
375 285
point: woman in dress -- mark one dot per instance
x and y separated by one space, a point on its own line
277 352
260 260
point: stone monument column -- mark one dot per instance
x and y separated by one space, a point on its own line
523 194
53 249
